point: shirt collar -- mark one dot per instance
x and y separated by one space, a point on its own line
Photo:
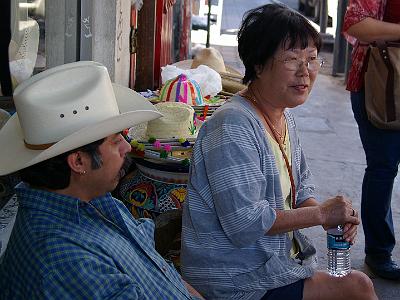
63 206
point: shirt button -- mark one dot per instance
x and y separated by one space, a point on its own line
164 269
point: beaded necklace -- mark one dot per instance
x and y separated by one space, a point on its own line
276 133
277 137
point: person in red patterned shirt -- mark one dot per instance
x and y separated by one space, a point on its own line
367 21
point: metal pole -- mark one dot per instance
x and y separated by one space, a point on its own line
347 64
208 24
323 17
339 50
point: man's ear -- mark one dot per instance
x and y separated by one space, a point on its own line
76 162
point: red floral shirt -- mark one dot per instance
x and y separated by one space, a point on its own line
358 10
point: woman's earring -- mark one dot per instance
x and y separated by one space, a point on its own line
82 172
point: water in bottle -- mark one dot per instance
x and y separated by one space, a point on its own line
338 252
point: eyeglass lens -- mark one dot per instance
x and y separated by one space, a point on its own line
295 64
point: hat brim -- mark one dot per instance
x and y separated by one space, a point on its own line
186 64
231 79
14 155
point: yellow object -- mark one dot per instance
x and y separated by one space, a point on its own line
284 179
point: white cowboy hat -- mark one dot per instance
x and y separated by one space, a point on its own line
211 57
64 108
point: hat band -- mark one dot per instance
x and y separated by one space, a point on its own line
38 147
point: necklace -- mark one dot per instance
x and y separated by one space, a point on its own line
282 147
281 135
249 95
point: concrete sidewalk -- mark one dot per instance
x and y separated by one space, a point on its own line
329 136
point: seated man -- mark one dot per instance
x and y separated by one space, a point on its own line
72 239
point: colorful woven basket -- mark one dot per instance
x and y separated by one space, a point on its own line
148 192
182 89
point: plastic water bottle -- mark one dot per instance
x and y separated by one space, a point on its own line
338 252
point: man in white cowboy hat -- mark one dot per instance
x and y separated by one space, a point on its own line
72 239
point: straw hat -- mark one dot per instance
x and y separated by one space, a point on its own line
177 122
182 89
64 108
211 57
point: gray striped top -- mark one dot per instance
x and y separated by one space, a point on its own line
233 192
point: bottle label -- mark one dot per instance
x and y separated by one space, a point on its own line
337 242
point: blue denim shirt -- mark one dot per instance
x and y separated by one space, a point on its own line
63 248
233 192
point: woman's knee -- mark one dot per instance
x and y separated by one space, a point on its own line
361 285
354 286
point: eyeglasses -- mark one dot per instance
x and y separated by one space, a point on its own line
313 64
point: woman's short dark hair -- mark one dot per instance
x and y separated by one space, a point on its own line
264 29
55 172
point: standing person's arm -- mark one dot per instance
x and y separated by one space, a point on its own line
363 22
370 30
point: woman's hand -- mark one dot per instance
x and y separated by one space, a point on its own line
350 230
337 211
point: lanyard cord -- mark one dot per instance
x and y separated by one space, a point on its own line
289 168
269 124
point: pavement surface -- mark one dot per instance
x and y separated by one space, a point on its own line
329 135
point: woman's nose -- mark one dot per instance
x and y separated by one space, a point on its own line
302 68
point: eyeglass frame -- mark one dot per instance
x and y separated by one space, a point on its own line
301 62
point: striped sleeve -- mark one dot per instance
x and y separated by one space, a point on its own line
305 188
231 155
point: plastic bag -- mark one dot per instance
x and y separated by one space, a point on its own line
208 79
137 4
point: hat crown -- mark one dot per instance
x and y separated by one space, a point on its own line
182 89
175 123
210 57
63 100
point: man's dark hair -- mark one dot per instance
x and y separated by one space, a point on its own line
264 29
55 172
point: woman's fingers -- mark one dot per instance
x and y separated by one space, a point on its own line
350 234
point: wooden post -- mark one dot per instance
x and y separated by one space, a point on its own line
145 43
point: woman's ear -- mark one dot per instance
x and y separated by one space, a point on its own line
258 69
